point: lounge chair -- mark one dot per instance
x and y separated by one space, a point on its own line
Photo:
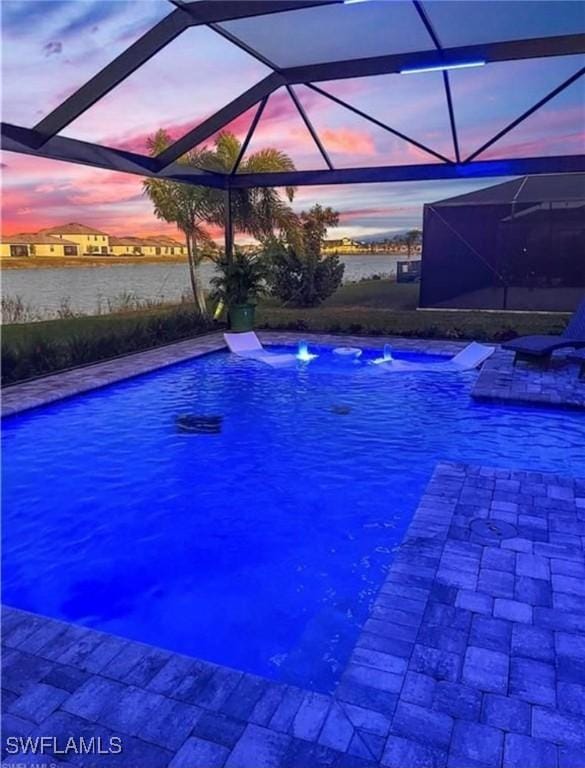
579 357
248 345
540 348
472 356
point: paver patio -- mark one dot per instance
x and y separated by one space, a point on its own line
558 385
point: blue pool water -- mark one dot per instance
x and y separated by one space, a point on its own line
262 546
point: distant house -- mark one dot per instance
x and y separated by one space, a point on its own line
249 248
146 246
39 244
345 245
166 246
127 246
152 246
78 240
90 241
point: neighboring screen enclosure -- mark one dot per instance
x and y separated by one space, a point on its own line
519 245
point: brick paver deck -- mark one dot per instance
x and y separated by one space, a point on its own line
474 655
31 394
557 385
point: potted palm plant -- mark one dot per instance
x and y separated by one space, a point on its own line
237 285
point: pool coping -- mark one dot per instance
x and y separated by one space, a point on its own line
17 398
454 664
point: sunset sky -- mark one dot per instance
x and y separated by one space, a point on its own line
52 47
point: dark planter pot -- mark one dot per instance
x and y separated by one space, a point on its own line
242 317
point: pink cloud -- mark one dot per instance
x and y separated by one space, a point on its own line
113 188
109 201
45 188
535 147
279 107
374 212
418 155
348 140
137 142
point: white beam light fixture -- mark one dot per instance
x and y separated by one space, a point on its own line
442 67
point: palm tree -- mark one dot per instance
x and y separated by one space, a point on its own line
257 211
187 206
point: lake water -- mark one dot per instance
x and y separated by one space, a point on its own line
86 288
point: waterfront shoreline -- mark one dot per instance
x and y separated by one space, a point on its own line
56 262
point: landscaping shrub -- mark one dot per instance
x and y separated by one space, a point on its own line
298 273
294 280
35 349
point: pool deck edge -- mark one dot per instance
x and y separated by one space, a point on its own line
557 386
27 395
498 381
61 385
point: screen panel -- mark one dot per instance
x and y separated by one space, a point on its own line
334 32
486 99
186 82
470 22
557 128
50 49
281 128
236 132
415 105
514 256
354 142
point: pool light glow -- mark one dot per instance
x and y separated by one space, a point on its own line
303 353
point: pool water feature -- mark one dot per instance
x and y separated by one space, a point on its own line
303 353
260 546
386 355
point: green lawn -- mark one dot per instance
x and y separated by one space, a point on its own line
378 307
372 307
375 294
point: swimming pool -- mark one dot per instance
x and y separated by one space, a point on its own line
260 546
